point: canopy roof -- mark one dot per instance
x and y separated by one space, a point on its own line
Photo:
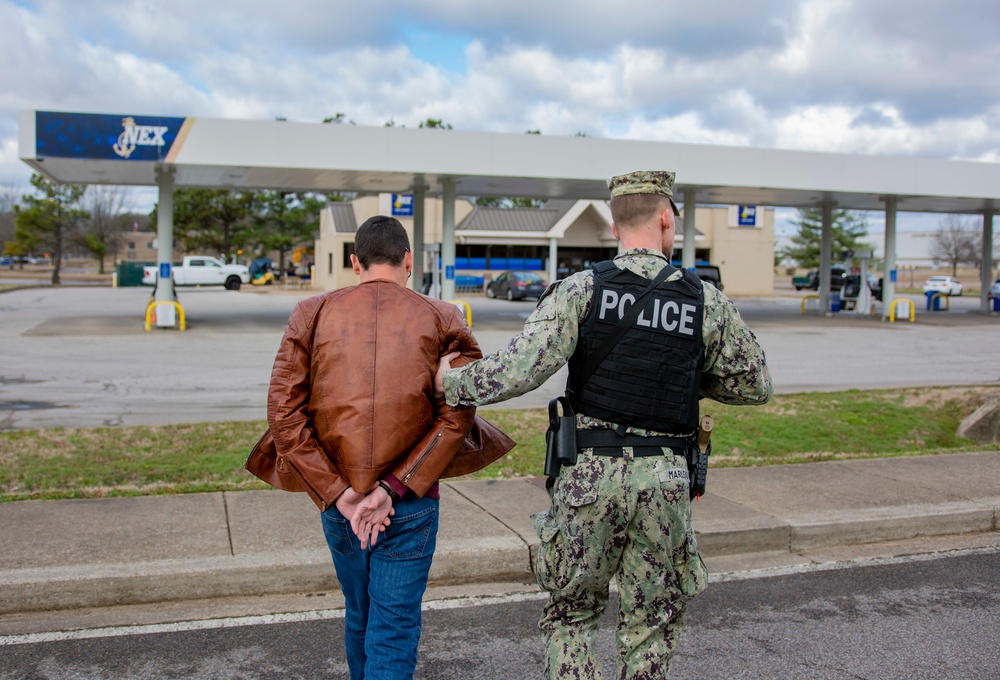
127 149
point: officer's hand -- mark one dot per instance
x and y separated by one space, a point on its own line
444 363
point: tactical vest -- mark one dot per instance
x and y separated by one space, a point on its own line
650 378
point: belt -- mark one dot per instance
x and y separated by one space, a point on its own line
637 451
586 439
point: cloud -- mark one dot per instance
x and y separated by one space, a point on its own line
879 76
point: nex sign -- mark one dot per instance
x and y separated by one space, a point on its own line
138 135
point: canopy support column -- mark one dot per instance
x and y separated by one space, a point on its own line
690 198
553 259
418 237
448 238
825 255
986 267
165 248
889 274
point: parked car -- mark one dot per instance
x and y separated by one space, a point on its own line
946 285
516 285
202 270
838 275
710 273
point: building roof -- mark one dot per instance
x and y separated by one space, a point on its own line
344 221
488 218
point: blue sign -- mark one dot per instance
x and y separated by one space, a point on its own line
449 272
164 270
892 275
105 137
402 205
747 215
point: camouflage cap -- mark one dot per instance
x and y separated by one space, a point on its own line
645 182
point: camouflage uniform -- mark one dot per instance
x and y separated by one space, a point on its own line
624 517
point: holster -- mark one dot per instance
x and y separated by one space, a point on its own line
697 457
560 438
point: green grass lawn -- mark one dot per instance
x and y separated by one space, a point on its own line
795 428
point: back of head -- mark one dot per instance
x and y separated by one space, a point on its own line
635 210
381 240
637 198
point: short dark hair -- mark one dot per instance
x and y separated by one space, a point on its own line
634 209
381 240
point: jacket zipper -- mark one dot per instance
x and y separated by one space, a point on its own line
307 483
423 457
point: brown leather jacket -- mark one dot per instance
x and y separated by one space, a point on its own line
352 389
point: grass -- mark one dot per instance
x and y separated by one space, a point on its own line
97 462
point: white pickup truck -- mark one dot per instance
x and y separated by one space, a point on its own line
202 270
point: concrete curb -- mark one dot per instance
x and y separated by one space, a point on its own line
73 554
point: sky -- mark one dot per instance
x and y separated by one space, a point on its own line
881 77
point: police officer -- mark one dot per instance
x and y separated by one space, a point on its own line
623 510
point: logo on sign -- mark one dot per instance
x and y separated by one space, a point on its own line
138 135
748 216
402 205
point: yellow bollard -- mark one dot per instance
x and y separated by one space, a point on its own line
892 310
462 304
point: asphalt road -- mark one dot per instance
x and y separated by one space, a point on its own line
79 356
911 618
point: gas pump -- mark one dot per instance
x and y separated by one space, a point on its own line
432 272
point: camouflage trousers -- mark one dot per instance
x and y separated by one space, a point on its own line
624 518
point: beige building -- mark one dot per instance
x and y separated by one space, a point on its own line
561 237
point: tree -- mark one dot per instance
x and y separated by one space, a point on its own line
435 123
283 220
8 199
214 220
42 223
848 229
102 231
957 242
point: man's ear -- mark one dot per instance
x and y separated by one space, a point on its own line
614 231
356 264
408 261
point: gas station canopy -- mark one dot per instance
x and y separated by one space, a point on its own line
84 148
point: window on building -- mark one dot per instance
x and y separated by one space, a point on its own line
348 251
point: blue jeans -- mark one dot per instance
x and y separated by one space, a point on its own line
383 587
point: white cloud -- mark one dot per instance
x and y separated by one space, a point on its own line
879 76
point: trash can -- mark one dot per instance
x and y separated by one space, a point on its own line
834 301
933 301
996 304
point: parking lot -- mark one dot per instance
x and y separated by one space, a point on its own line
79 355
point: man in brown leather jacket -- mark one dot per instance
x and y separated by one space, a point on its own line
353 412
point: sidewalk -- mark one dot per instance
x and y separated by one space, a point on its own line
92 553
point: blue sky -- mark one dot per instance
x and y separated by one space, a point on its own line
880 77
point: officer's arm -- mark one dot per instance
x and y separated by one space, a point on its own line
735 370
545 344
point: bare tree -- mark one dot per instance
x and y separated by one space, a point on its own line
957 242
9 197
102 232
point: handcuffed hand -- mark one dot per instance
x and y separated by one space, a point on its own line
371 516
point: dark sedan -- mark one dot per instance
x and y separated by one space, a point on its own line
516 286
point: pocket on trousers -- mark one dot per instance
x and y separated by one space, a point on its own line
692 576
550 560
409 536
577 485
337 531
